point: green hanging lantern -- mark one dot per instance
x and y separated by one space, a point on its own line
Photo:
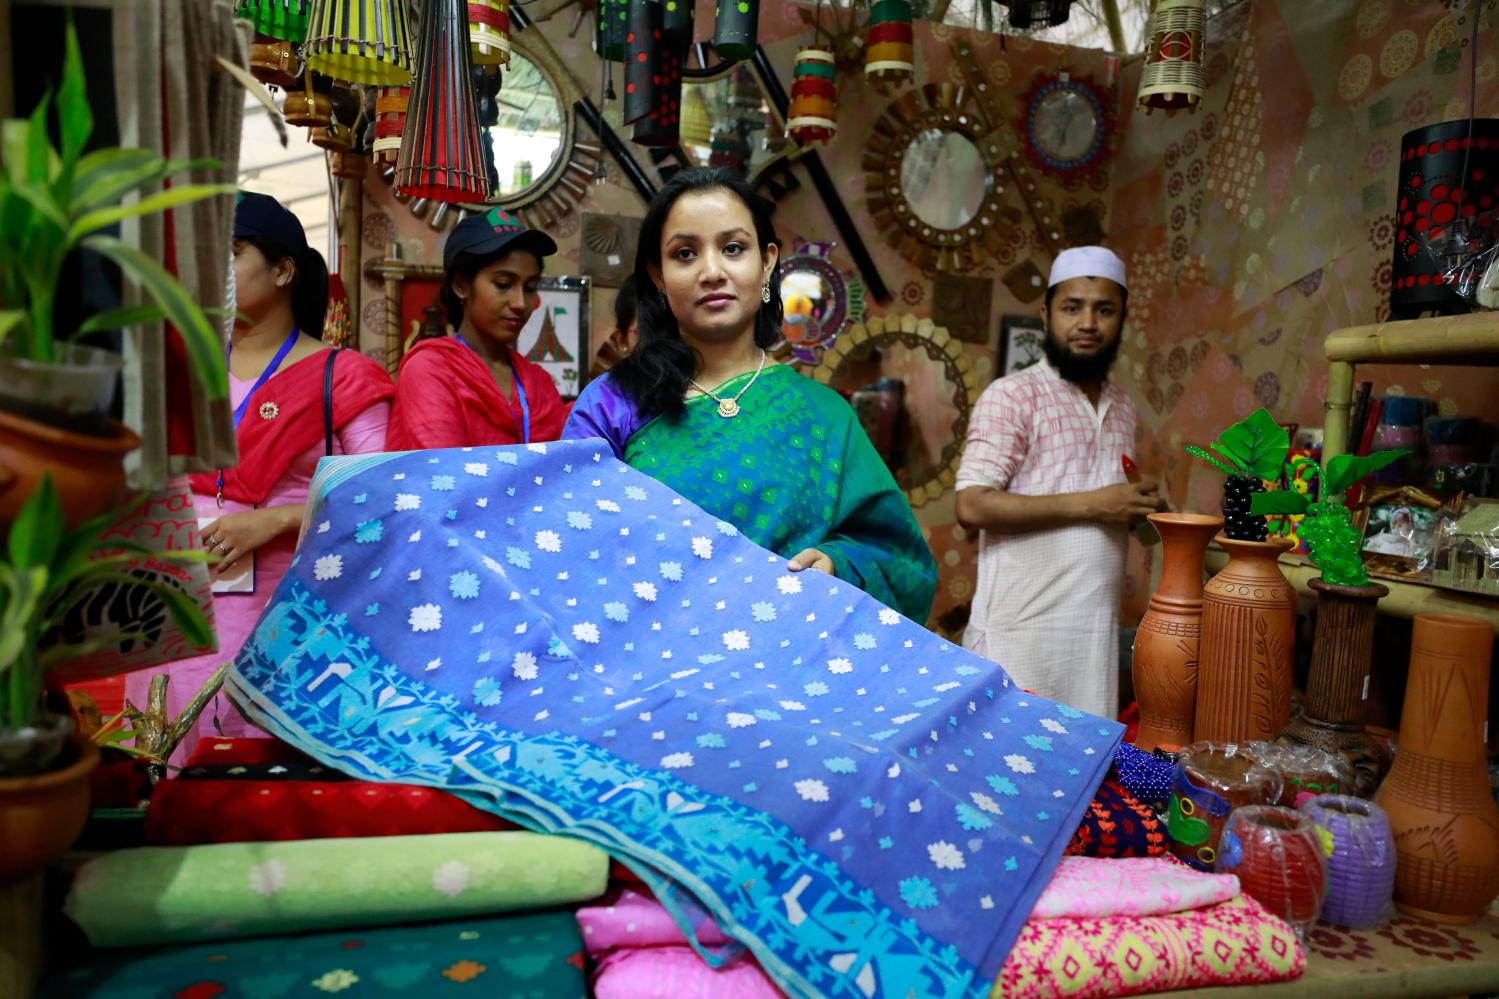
283 19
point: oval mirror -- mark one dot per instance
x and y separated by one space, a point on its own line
525 130
944 178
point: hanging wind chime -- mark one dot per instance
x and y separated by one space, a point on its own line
813 112
440 157
890 45
1173 73
360 41
489 32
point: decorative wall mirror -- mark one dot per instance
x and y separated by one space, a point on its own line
933 172
727 120
912 386
817 301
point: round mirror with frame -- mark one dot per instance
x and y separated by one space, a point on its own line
913 387
932 176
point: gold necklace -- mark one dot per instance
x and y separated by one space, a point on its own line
729 408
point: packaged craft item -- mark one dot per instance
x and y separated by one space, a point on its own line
1280 857
1211 780
1305 771
1361 862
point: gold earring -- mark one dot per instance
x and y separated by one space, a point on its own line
765 293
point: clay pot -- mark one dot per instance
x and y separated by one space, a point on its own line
1165 653
1437 796
41 816
1212 780
1280 859
88 472
1248 643
1332 717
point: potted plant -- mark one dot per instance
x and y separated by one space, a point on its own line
1343 643
55 393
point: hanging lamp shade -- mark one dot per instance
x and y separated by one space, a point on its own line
283 19
889 45
736 28
613 27
439 157
1039 13
813 112
1173 73
360 41
644 56
662 126
489 32
390 120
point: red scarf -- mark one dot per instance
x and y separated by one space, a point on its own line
446 396
269 443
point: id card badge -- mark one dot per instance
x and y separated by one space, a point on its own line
243 578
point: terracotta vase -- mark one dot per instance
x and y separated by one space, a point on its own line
1332 717
41 816
1165 654
1437 795
1247 646
88 472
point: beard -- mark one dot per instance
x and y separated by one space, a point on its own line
1077 367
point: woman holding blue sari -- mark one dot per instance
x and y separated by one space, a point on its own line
699 406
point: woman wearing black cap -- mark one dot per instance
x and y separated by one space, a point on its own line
475 388
293 403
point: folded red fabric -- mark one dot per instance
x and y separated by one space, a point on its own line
1117 824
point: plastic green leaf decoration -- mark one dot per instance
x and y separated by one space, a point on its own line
1198 452
1345 470
1279 503
1256 446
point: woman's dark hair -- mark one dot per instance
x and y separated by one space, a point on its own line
656 373
309 288
468 266
626 302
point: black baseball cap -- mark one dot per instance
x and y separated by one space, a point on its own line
486 235
262 216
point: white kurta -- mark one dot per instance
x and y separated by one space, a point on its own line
1046 606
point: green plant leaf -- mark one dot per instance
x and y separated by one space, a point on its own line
106 175
1198 452
115 319
1278 501
1345 470
9 320
23 596
73 114
204 347
37 530
1257 443
161 201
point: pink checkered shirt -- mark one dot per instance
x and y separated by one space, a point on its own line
1046 603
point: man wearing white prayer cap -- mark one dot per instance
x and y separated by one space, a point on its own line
1045 479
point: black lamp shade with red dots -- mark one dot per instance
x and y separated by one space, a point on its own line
663 125
643 58
1440 210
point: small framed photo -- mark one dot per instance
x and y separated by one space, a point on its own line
556 335
1020 344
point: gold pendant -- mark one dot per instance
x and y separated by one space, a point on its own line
728 408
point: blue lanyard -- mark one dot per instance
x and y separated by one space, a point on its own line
520 393
265 376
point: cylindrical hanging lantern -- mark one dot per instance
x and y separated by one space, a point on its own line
1026 14
1441 215
889 46
644 55
735 30
283 19
1173 73
360 41
663 125
614 26
489 32
697 129
813 113
390 120
439 157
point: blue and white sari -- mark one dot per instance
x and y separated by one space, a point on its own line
564 641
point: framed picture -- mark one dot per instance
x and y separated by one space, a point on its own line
1019 346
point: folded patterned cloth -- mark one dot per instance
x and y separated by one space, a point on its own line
635 919
522 956
1145 775
157 895
1095 888
677 972
260 790
1117 824
1233 943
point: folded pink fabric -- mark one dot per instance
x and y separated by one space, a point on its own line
677 972
1096 888
635 919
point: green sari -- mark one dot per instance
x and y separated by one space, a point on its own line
794 470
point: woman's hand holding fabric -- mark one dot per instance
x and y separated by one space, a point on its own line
811 558
235 535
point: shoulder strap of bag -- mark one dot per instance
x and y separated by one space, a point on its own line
328 401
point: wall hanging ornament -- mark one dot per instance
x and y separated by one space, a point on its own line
1280 858
1437 795
275 63
817 301
1027 14
1361 866
390 120
1067 125
1164 661
1211 780
360 41
813 113
311 106
1445 216
1172 76
735 28
489 32
889 44
440 157
283 19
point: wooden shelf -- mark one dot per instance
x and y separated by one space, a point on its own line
1459 340
1406 599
